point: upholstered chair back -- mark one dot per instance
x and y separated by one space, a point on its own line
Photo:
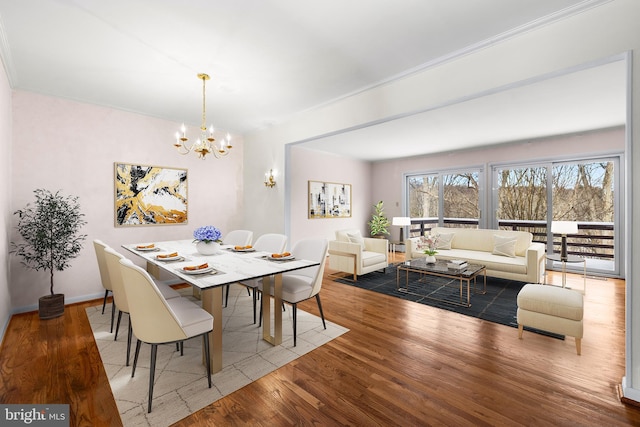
152 319
112 259
271 242
99 247
238 238
312 250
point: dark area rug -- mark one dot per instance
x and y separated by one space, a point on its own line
498 304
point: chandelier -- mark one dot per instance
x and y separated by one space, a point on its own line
206 143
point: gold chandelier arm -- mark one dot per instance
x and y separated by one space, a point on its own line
181 143
182 149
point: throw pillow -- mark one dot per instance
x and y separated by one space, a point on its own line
504 246
444 241
356 237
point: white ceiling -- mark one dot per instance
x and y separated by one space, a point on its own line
588 99
270 59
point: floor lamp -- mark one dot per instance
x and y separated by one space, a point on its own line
401 221
564 228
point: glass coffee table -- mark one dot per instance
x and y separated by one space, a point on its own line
421 286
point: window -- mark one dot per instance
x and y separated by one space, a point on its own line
530 197
448 199
584 192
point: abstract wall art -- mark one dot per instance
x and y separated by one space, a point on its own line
329 200
149 195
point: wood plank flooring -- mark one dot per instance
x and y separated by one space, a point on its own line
401 364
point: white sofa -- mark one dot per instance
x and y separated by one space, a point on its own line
356 255
506 254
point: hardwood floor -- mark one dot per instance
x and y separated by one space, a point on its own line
401 364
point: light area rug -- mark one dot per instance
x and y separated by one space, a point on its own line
180 381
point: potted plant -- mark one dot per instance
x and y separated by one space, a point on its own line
50 230
379 222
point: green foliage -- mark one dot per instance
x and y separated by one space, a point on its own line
379 222
50 230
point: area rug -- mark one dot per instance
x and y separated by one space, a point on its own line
180 381
498 304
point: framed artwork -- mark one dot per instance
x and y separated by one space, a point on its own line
329 200
149 195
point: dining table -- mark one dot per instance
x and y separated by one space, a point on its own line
229 265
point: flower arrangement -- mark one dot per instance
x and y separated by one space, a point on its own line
207 234
429 244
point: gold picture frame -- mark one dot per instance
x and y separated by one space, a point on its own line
149 195
329 200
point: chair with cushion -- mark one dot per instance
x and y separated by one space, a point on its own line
99 247
155 320
237 238
300 285
272 243
356 255
112 259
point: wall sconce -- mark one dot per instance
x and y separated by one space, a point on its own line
269 179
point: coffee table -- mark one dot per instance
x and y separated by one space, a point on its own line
440 269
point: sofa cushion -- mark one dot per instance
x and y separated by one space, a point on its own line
444 240
342 235
482 239
372 258
504 246
355 237
551 300
516 265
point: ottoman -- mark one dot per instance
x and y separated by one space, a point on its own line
551 309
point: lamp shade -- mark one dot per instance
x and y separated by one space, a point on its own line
401 220
564 227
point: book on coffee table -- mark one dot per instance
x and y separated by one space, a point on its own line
457 264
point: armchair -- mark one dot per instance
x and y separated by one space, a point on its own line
356 255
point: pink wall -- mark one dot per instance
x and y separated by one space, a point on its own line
305 165
65 145
388 175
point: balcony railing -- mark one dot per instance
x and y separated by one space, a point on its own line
594 239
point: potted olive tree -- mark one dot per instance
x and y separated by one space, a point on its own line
50 229
379 222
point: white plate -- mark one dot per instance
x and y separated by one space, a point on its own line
174 258
147 249
194 272
282 258
243 250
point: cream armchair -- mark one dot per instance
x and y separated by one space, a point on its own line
356 255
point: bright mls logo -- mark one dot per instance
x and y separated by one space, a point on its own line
37 415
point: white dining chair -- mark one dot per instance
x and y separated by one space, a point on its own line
99 247
237 238
300 285
112 259
156 321
272 243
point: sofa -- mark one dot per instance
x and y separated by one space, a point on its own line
355 255
506 254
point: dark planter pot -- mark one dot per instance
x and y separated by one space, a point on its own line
51 306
